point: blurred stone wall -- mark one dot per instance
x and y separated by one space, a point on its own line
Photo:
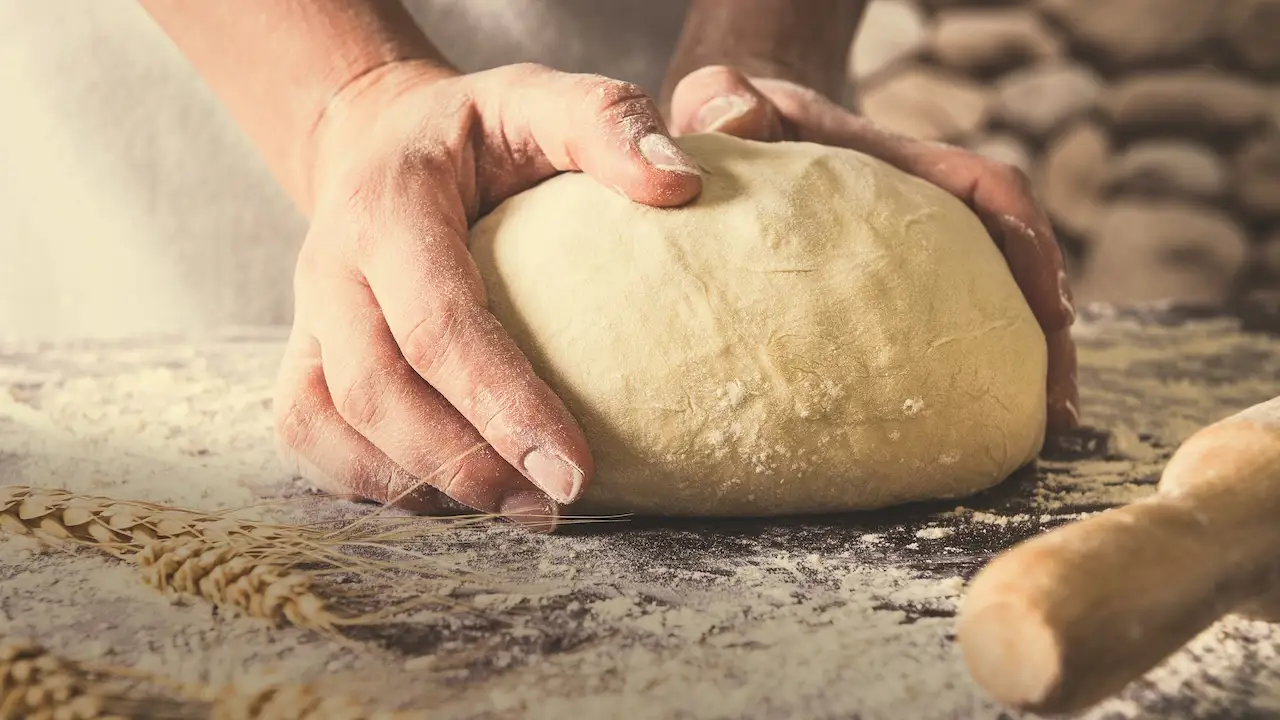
1150 128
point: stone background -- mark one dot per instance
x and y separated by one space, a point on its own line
1150 128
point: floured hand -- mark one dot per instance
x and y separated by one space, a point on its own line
721 99
396 375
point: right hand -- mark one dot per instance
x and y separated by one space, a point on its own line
722 99
396 375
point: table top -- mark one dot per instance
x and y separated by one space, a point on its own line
818 617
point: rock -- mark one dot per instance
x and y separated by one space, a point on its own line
1070 181
1168 169
1266 257
1257 180
1003 148
1040 100
1201 103
891 30
1128 33
927 104
1251 30
1163 251
988 40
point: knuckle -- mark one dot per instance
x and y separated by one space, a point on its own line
361 401
717 74
431 340
1011 176
451 480
616 100
315 262
499 412
473 477
525 70
294 425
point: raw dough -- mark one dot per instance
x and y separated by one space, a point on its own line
818 332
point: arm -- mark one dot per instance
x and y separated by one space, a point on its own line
277 64
397 383
804 41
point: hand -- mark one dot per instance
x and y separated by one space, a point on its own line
396 375
721 99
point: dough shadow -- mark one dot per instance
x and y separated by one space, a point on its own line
929 537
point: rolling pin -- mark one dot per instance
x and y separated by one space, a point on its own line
1065 619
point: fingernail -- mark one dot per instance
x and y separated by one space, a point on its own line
1075 411
1066 297
721 111
531 510
560 478
664 154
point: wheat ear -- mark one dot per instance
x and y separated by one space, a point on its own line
120 526
232 576
36 684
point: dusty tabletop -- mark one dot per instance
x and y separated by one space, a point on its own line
824 617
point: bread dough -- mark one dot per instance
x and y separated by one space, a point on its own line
817 332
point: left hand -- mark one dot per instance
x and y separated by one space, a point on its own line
722 99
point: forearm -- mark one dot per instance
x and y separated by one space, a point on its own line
804 41
277 64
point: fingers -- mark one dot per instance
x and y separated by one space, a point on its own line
315 438
721 99
1062 388
432 298
378 394
609 129
314 441
1002 198
1000 195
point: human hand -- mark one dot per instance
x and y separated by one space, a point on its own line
721 99
396 375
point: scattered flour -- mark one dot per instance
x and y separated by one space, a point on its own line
756 620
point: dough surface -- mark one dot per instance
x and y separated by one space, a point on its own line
817 332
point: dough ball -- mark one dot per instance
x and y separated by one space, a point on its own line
817 332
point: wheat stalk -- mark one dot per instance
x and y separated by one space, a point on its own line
231 562
229 575
238 563
120 526
36 684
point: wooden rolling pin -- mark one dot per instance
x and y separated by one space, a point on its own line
1063 620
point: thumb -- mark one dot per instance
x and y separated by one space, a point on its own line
721 99
608 129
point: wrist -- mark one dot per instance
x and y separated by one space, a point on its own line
806 43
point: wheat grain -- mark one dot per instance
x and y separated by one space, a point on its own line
119 526
37 684
232 576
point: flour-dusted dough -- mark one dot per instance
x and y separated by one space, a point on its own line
819 331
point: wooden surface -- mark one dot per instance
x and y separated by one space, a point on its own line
837 617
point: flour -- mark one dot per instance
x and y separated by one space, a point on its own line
823 618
